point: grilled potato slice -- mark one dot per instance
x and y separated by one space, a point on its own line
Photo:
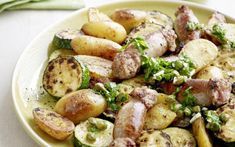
159 117
53 123
199 132
106 29
88 45
202 52
80 105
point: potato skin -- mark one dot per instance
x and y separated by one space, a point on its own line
88 45
201 52
53 123
107 29
210 72
199 132
80 105
159 117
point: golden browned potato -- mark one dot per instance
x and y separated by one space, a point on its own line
88 45
210 72
201 52
80 105
180 137
154 139
159 117
199 132
94 15
129 18
53 123
106 29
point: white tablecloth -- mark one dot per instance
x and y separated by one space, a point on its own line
17 29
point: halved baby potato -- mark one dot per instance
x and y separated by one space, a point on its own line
88 45
53 123
106 29
80 105
159 117
210 72
201 51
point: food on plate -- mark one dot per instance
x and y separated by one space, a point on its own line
89 45
185 17
63 39
202 52
64 75
53 124
200 133
93 132
140 78
159 116
107 29
80 105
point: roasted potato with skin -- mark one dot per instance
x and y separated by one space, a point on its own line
88 45
129 18
94 15
159 117
106 29
210 72
202 52
53 123
199 132
80 105
180 137
155 138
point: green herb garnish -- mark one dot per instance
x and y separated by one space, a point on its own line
219 33
113 97
139 44
213 120
162 70
191 26
189 99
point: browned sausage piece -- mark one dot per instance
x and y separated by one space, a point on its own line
216 17
126 64
208 92
145 95
122 142
183 16
130 120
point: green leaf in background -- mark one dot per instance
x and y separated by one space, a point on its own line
40 4
51 5
11 4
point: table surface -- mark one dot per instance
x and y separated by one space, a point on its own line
17 29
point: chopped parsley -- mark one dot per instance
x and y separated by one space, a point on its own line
159 69
189 99
139 44
219 33
191 26
213 120
110 92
